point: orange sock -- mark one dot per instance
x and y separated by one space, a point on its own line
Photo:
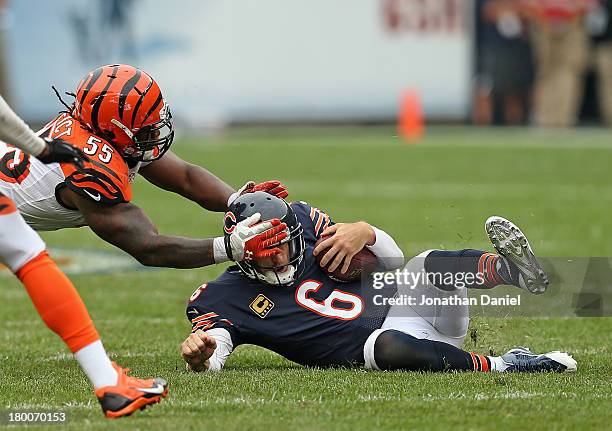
57 301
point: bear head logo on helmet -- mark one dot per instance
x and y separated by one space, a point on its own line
283 268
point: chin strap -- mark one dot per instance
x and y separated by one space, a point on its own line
273 278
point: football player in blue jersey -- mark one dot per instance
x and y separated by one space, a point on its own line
279 297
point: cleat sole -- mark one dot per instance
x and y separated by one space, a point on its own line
511 243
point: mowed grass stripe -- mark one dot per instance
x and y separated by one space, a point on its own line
435 194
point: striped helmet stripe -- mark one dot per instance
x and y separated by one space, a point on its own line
98 102
94 78
142 96
127 87
155 105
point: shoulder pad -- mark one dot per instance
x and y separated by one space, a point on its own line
318 219
99 186
105 178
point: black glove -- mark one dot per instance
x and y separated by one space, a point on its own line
59 151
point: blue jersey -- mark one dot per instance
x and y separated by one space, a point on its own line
316 321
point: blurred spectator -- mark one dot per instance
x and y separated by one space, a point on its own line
561 47
601 26
104 34
504 67
116 21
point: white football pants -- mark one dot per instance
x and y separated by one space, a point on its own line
445 323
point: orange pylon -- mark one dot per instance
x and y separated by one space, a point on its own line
410 123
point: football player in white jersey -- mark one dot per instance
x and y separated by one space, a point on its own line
53 295
121 121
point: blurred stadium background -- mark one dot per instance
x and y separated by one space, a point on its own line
226 62
392 111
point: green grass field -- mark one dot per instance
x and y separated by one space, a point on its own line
438 193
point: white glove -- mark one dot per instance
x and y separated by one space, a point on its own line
250 239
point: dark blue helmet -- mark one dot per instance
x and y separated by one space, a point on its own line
269 207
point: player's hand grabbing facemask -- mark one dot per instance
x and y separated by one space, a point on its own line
275 188
59 151
252 239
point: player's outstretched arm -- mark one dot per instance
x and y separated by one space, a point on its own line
201 186
191 181
126 226
15 131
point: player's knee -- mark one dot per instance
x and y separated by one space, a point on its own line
384 350
395 350
19 244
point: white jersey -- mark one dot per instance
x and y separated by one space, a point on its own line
34 196
33 185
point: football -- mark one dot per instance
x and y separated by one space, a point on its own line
364 262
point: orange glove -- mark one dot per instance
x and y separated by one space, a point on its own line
273 187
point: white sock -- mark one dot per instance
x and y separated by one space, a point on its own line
96 365
497 364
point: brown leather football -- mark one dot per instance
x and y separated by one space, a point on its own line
364 262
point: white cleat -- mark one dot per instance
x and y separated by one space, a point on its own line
521 359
